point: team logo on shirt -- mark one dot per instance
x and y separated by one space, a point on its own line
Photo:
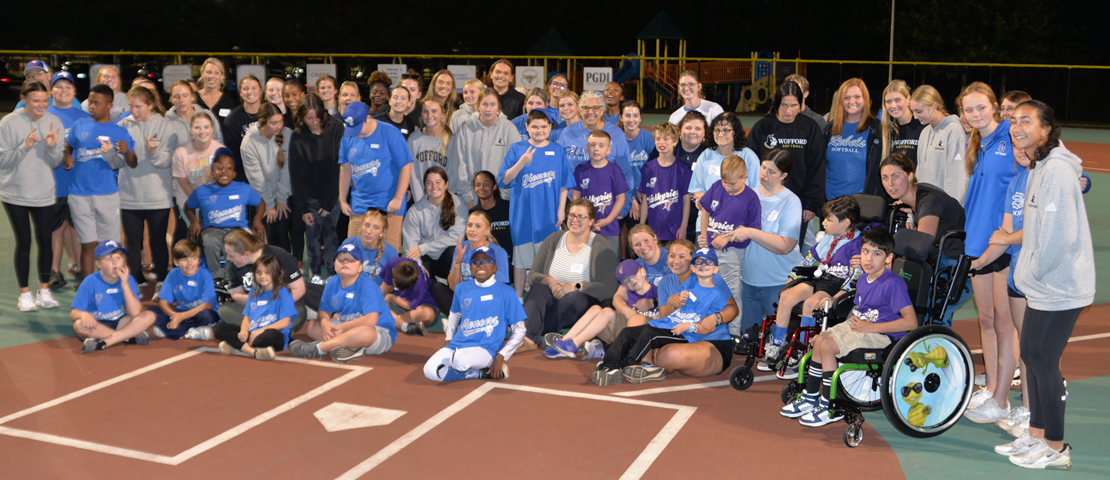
485 325
771 142
99 297
371 168
500 142
585 183
531 180
1001 148
651 183
84 135
713 205
466 303
351 153
666 199
1018 205
335 303
871 315
248 280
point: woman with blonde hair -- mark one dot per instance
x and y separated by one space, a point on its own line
212 94
429 145
109 75
900 129
940 148
853 144
443 91
469 107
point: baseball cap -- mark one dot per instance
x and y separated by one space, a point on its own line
62 76
223 151
107 247
489 253
353 118
36 64
351 249
705 253
626 269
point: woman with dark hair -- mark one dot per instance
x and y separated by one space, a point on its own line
313 181
212 95
265 154
1010 102
901 129
1056 271
30 148
396 116
853 138
728 139
784 127
429 145
496 208
434 225
689 87
501 80
692 130
240 119
380 83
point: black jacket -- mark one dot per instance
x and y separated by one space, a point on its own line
314 165
803 139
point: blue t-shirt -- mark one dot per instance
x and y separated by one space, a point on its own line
707 171
69 116
727 212
534 200
881 300
103 300
264 310
188 292
656 272
361 298
91 173
703 302
640 150
846 161
420 293
369 268
223 207
574 139
986 191
663 189
669 285
782 215
376 163
601 186
1016 194
500 256
486 313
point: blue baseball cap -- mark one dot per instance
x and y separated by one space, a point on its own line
36 64
62 76
350 249
489 253
353 118
107 247
223 151
705 253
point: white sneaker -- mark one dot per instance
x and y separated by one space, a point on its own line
1022 444
981 380
987 412
158 333
1016 382
316 280
1014 418
1044 457
981 395
771 351
27 302
45 299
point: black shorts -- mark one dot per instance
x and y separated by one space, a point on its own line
998 265
1013 293
61 212
724 347
829 284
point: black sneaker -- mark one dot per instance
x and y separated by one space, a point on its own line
416 328
485 374
57 280
92 344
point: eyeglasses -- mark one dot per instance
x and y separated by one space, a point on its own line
591 107
705 261
916 388
559 85
722 130
481 262
687 85
578 216
628 281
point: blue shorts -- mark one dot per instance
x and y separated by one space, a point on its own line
112 324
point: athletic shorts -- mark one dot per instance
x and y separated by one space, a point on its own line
61 212
1013 293
382 344
525 254
848 340
999 264
724 348
95 217
829 284
112 324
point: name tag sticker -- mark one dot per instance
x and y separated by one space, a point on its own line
405 131
112 290
692 297
225 112
373 145
549 153
191 283
350 295
715 170
262 303
233 197
577 268
487 297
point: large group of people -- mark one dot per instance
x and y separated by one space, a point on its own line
507 214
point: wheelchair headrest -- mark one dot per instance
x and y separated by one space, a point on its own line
872 208
912 244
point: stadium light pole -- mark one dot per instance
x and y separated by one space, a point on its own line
890 66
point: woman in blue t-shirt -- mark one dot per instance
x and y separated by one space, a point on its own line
854 142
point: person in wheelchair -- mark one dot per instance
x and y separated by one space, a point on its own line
834 277
883 314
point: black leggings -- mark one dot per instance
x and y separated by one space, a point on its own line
229 333
159 221
549 314
287 233
21 219
1044 335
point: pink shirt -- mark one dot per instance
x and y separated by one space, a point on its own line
194 166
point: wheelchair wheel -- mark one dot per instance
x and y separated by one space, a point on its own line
741 377
790 391
861 387
927 381
853 434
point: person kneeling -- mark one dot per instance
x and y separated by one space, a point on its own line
354 320
696 320
480 310
882 314
106 310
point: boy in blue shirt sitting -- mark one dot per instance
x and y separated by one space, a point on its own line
187 300
702 300
106 309
883 313
223 208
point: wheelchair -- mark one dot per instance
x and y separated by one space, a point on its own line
924 381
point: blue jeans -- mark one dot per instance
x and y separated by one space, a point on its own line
758 301
321 236
204 318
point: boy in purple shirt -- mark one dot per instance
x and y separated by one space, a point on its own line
664 186
407 291
883 314
729 208
603 184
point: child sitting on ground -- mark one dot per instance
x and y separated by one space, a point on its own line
480 311
223 208
633 305
354 320
882 314
106 310
408 293
187 301
688 324
267 316
832 255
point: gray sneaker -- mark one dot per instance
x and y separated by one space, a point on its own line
550 338
301 349
345 354
644 373
416 328
603 378
91 345
771 353
141 339
264 354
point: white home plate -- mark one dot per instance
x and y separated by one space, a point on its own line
344 416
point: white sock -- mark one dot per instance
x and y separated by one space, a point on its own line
319 350
405 326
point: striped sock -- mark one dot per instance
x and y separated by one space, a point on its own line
813 378
826 385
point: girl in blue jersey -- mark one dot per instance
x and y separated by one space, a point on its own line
106 309
375 253
267 316
354 320
187 297
480 313
539 175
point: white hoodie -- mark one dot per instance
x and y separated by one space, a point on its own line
940 157
260 164
26 176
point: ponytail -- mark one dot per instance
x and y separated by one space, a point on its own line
973 147
447 208
489 226
380 216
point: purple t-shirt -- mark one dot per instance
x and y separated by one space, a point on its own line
841 262
663 189
881 300
726 212
633 297
420 293
601 186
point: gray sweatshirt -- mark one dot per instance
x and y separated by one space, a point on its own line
421 227
260 164
26 176
1056 266
940 157
461 115
147 186
185 132
475 148
427 152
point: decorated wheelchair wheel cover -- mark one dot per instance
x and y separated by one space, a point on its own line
927 381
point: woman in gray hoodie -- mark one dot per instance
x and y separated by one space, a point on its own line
265 152
145 193
184 107
1056 271
432 228
940 148
480 144
30 148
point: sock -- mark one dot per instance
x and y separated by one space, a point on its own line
405 327
318 350
778 335
826 386
813 378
